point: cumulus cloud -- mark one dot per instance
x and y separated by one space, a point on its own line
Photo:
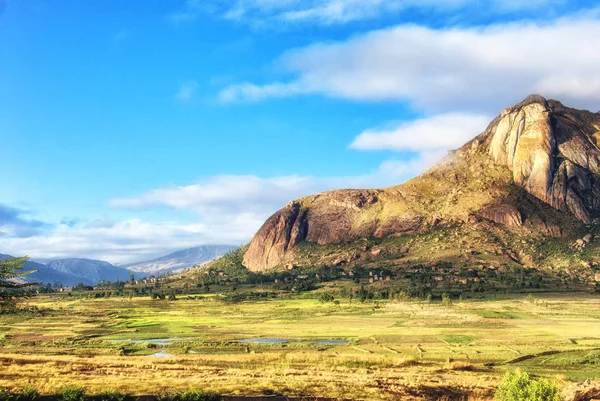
444 131
443 70
233 207
229 210
124 241
331 12
224 196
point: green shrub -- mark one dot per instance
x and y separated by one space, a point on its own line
518 386
193 395
112 396
326 297
71 394
27 394
446 300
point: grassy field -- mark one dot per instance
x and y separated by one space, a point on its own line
371 351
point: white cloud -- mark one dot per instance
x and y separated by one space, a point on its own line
330 12
229 210
187 91
444 131
251 92
232 208
121 242
424 161
482 69
230 196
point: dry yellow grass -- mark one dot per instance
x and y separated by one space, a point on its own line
399 350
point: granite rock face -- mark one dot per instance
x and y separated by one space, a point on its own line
552 152
538 149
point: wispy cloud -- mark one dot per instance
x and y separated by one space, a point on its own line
438 132
229 210
186 91
15 222
254 93
121 35
441 70
233 207
332 12
223 197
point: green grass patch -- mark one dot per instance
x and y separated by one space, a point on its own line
459 339
493 314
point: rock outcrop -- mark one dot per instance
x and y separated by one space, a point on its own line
538 149
508 215
552 152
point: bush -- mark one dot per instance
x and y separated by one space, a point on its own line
27 394
326 297
193 395
71 394
446 300
112 396
518 386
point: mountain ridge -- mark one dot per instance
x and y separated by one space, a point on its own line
180 260
89 271
532 172
43 274
72 271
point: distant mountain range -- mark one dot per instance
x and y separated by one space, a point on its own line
89 271
180 260
44 273
73 271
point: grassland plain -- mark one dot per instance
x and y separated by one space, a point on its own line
367 351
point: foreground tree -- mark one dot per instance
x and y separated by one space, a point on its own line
10 290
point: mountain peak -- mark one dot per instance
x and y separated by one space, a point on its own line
532 99
538 150
552 152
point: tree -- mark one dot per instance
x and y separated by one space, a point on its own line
10 290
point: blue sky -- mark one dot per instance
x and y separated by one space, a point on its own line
133 128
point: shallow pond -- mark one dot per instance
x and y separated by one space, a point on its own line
161 354
156 341
265 340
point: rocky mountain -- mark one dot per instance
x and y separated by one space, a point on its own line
88 271
521 192
180 260
44 273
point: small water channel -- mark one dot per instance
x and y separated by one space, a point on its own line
263 340
163 342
